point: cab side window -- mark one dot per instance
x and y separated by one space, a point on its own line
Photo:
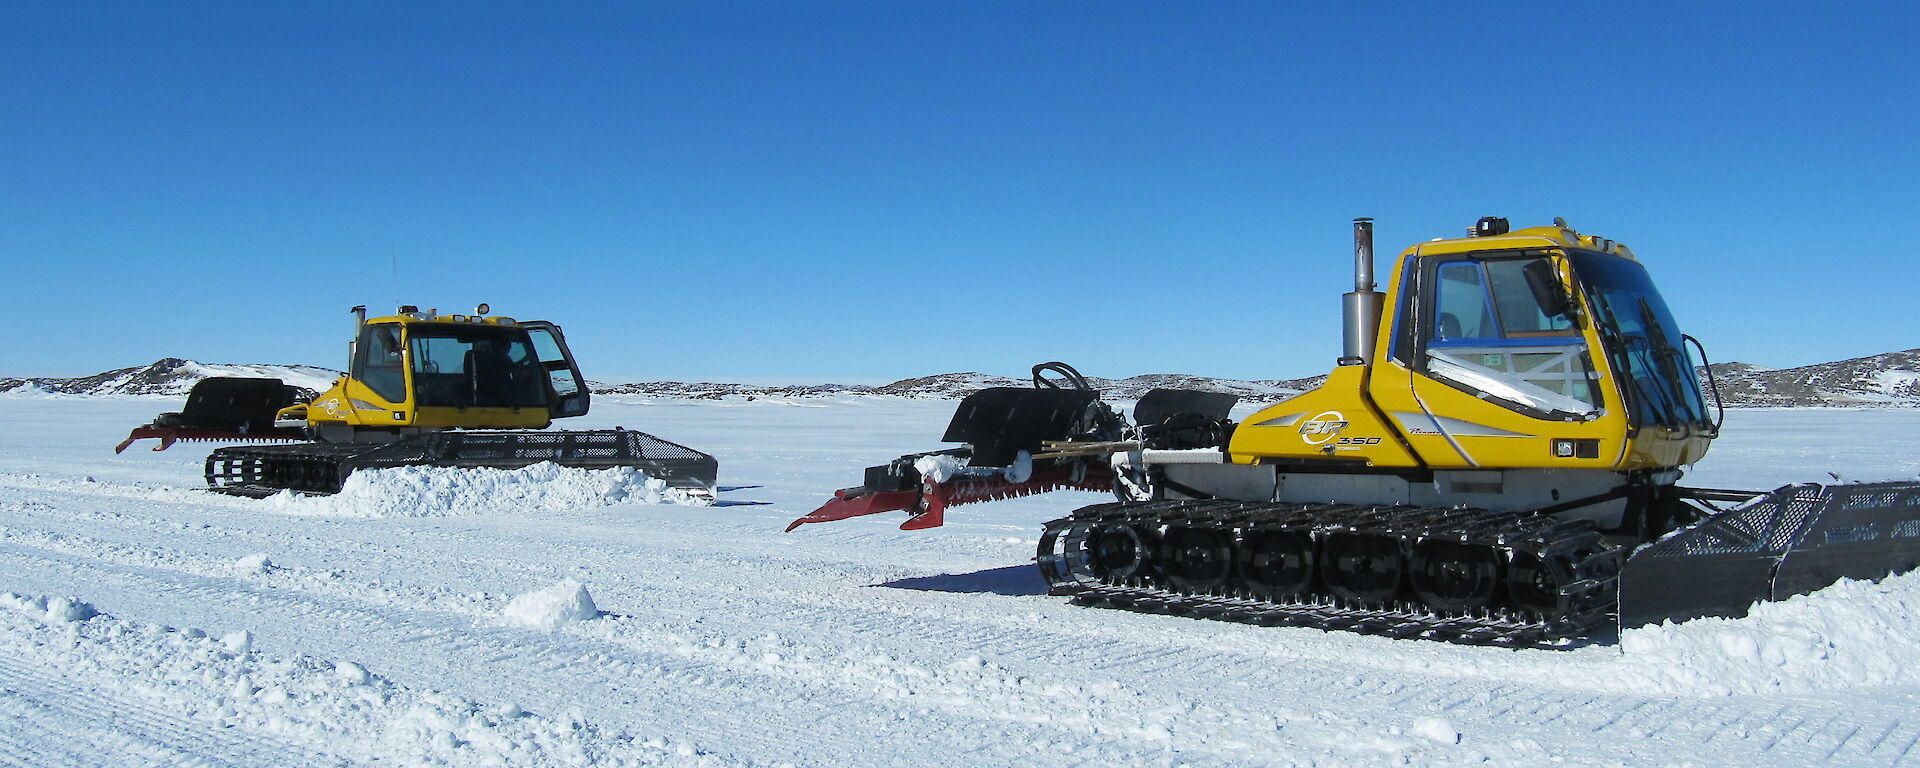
1463 311
379 363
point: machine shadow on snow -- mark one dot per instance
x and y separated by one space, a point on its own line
1012 580
738 502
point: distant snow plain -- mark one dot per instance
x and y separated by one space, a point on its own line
545 619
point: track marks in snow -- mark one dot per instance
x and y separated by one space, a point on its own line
161 696
1050 688
863 675
636 678
65 719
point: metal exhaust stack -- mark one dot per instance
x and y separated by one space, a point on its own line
1360 310
353 342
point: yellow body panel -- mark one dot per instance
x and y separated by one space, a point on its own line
1331 422
352 402
1457 430
1387 415
1662 448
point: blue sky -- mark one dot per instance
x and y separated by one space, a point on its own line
869 191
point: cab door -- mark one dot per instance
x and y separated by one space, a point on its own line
1495 373
563 374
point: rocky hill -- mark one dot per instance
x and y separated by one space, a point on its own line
952 386
1890 379
169 376
705 390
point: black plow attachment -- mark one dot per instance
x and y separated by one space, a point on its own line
1791 541
226 409
999 425
1000 422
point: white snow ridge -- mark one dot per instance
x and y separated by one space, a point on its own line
1854 633
456 491
53 610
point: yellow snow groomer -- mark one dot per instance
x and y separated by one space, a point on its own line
421 389
1507 423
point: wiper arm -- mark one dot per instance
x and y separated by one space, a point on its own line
1668 357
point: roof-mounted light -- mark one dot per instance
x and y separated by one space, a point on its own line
1489 226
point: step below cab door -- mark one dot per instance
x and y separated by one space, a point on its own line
569 387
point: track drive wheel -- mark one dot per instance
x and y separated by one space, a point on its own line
1197 559
1117 552
1275 565
1450 576
1361 568
1534 583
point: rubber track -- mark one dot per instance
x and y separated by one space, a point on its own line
1588 568
322 468
226 467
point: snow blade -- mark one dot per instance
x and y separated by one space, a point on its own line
1792 541
1000 422
225 408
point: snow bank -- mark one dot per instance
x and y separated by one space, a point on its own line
253 565
1438 729
52 610
335 708
552 607
1854 633
451 491
1851 636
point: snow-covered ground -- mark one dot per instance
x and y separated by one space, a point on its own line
143 622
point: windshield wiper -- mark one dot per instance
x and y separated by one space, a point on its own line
1668 357
1620 350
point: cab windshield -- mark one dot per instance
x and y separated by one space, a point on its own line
1642 340
475 366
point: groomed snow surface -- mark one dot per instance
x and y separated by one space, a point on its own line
541 617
